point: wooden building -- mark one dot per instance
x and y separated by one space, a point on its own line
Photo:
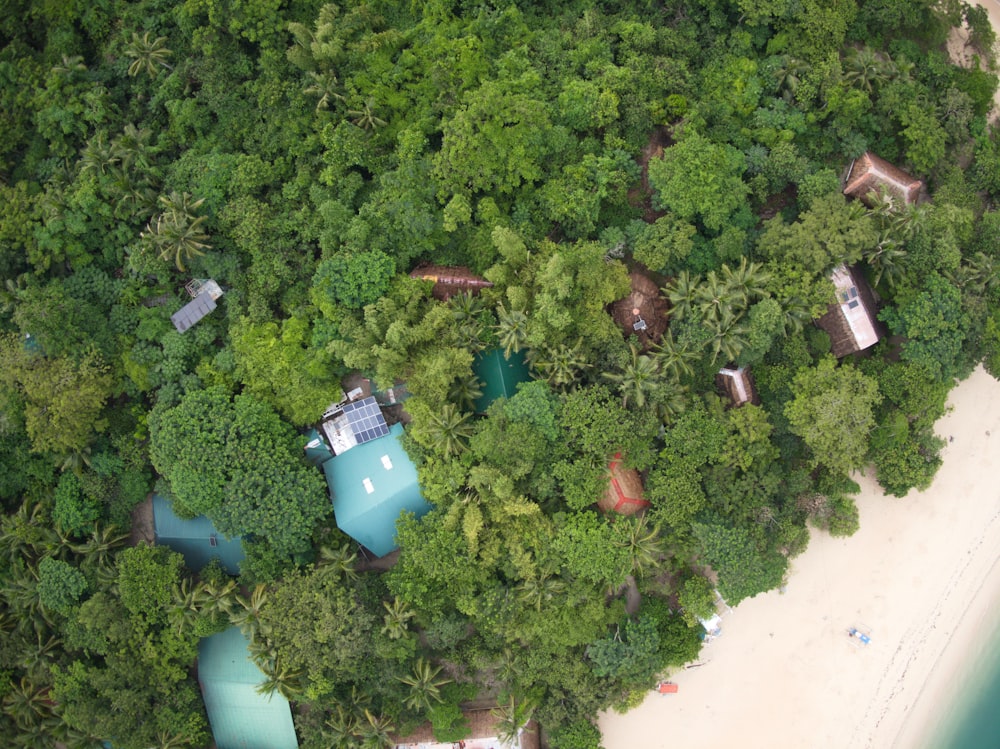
643 313
869 175
450 280
736 383
851 320
624 493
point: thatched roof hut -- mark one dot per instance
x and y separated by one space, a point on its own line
624 493
737 384
643 313
868 174
851 321
450 280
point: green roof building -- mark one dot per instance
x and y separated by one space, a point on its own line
197 540
499 375
371 484
240 717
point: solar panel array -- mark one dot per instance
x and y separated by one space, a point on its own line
366 420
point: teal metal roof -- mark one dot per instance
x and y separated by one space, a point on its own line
499 375
240 717
371 485
194 538
317 451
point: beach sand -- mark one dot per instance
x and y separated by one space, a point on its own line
922 575
963 55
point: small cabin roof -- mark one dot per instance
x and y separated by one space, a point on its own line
850 320
499 375
868 174
450 280
371 485
240 717
644 312
196 539
624 492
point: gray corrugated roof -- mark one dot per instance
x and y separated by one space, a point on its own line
192 312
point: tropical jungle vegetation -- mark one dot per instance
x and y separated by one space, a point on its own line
307 156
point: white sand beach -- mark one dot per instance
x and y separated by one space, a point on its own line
922 575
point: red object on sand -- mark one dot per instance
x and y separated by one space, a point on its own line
665 687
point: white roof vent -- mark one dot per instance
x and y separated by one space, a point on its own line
386 463
369 487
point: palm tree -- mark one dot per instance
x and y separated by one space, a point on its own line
714 298
728 340
68 65
97 550
682 292
247 616
38 656
181 205
789 76
27 703
978 274
466 311
376 731
285 681
185 607
326 86
177 231
796 314
132 147
167 740
12 292
884 259
22 535
343 728
397 617
98 156
900 69
449 430
540 590
561 365
425 685
865 68
364 117
513 716
637 379
749 280
147 55
512 329
909 221
465 391
136 198
644 543
339 560
673 359
670 402
75 460
215 599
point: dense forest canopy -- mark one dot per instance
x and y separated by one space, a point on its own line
307 157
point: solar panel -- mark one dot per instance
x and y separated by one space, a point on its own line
365 419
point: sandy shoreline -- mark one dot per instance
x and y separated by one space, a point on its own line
922 574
